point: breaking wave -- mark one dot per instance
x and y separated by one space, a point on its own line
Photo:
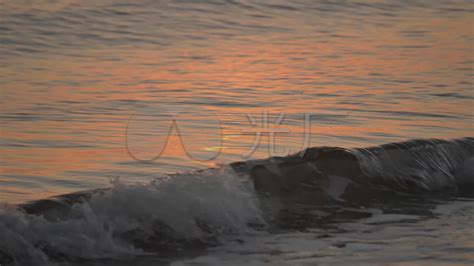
203 208
174 212
424 164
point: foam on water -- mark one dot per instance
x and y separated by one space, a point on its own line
383 239
174 211
196 210
74 72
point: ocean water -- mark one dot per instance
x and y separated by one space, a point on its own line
137 98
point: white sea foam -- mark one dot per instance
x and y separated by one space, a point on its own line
95 229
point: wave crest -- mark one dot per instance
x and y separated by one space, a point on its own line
190 209
202 208
420 164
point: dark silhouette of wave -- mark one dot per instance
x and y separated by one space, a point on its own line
320 187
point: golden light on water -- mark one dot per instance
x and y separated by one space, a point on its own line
360 81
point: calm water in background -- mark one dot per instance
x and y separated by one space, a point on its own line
89 90
76 73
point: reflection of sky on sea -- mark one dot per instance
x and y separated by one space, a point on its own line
75 75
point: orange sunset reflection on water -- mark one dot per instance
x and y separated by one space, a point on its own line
65 113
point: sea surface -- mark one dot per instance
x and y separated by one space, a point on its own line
140 96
